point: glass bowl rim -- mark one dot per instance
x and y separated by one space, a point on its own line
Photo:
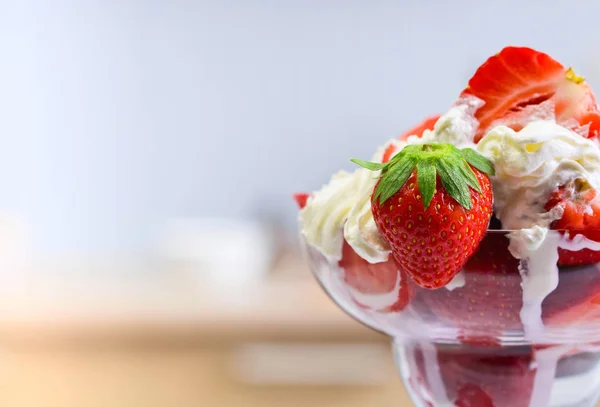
506 231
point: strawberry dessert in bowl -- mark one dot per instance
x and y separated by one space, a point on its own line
473 241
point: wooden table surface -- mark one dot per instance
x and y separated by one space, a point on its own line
168 339
172 340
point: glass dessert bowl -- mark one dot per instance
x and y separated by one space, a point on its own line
473 240
505 331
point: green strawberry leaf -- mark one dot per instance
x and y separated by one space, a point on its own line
430 161
455 184
478 161
368 165
426 180
395 178
467 173
459 162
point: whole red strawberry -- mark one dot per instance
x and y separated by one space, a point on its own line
433 204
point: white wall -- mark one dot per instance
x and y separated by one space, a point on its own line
116 115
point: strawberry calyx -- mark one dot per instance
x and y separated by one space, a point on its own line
431 160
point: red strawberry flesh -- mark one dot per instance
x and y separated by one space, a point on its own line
581 215
373 280
490 301
471 395
417 130
479 379
518 78
301 198
576 300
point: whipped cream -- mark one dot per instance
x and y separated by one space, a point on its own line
377 302
531 164
342 210
458 126
458 281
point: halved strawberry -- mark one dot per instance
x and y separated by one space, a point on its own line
520 84
417 130
581 215
380 287
420 128
491 298
472 395
477 379
576 300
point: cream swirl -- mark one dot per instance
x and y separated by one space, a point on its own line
457 126
342 210
531 164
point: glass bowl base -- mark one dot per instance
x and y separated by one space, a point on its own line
463 375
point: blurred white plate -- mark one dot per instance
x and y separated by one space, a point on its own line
225 252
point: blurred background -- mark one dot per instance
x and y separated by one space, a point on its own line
148 250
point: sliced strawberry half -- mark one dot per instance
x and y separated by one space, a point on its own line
420 128
380 287
520 84
475 379
581 215
417 130
471 395
576 300
491 298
